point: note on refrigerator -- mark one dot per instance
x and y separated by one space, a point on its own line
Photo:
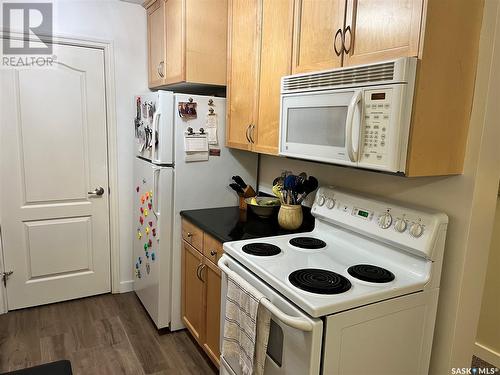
196 147
211 128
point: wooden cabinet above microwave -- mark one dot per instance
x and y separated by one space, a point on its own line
186 43
323 34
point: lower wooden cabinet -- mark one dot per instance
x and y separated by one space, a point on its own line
212 277
193 291
201 283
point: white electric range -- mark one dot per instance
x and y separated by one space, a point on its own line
357 295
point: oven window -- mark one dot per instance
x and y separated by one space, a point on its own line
324 126
275 344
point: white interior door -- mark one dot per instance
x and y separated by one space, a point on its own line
53 153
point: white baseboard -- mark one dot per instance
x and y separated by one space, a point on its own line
487 354
126 286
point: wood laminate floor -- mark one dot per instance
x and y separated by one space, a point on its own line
107 334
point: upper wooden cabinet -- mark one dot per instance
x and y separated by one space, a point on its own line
381 30
259 50
187 42
317 34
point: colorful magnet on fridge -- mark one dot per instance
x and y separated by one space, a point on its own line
150 243
150 205
139 235
147 254
145 212
153 257
151 193
148 268
147 230
145 246
141 220
150 223
140 260
139 274
141 209
137 188
154 232
147 195
137 266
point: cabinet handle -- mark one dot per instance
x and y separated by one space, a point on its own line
198 271
160 69
347 30
252 128
189 234
246 134
201 270
339 32
213 253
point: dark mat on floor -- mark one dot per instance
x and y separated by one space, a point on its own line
54 368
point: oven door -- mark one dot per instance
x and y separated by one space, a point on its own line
322 126
290 351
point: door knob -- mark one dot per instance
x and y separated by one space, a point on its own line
97 191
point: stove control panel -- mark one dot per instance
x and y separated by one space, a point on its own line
407 226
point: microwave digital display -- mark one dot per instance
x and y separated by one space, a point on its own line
378 96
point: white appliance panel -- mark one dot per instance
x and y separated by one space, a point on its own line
290 351
160 121
203 184
391 338
152 243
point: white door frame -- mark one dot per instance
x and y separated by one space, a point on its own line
109 76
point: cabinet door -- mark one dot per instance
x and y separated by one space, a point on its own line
275 62
156 43
316 24
243 50
192 291
212 277
382 30
174 24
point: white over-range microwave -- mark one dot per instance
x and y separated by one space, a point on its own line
356 116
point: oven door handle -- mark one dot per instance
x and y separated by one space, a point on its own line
291 321
351 152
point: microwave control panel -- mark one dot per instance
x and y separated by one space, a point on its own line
377 112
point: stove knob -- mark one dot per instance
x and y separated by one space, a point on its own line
385 220
321 200
330 203
400 225
416 230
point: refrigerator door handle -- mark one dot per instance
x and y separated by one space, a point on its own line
156 120
156 172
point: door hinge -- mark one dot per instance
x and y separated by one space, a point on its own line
5 276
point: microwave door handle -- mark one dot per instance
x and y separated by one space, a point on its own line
351 151
291 321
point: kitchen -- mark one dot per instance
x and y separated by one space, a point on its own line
257 52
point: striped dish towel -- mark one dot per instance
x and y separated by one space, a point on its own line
246 327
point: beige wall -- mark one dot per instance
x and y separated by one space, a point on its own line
468 199
488 334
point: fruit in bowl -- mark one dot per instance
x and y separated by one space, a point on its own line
263 207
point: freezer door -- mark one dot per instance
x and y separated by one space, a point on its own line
154 127
152 220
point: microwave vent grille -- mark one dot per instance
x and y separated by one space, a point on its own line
377 73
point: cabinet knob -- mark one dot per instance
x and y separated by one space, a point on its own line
213 253
189 234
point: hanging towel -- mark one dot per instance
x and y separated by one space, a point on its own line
246 327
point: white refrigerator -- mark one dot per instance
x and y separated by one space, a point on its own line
181 163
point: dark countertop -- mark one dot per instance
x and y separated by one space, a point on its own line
230 224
